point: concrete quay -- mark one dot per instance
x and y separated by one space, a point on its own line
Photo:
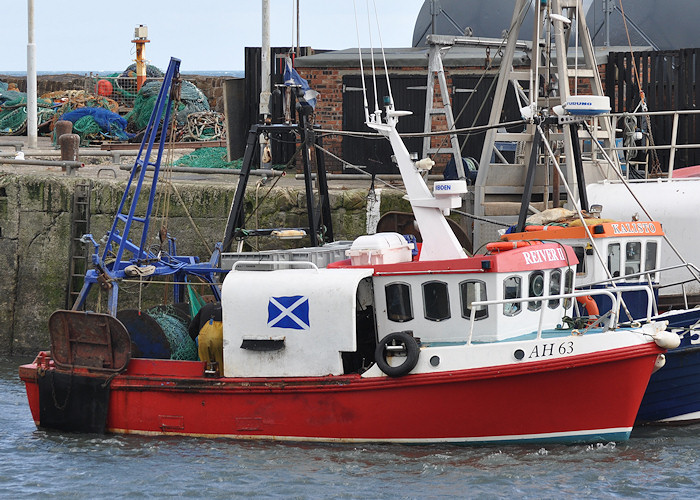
37 223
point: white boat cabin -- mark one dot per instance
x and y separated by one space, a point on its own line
630 249
307 321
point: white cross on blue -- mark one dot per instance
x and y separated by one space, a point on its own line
288 312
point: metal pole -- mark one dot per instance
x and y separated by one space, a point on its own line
31 78
298 50
265 77
606 21
265 61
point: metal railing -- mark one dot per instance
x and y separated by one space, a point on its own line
121 88
615 297
673 147
648 275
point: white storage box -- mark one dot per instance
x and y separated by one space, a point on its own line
380 248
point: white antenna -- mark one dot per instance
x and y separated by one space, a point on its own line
362 70
374 73
381 44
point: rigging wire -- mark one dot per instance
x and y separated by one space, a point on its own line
499 51
371 52
357 168
374 135
362 70
381 44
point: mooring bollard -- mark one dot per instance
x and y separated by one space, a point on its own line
69 144
62 127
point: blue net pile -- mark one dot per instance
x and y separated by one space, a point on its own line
97 124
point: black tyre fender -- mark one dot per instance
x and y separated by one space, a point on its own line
409 344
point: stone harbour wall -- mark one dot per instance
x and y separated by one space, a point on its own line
35 234
211 86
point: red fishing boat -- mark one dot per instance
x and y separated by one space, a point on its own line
393 344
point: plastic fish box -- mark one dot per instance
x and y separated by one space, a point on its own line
256 259
321 256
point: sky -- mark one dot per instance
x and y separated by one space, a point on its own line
83 36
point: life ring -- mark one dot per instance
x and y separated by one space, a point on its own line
502 246
398 341
590 304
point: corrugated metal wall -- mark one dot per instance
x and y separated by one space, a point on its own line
669 82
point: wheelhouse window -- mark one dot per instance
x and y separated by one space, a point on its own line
398 302
554 288
614 259
581 256
436 301
568 286
512 289
650 259
633 257
535 289
473 291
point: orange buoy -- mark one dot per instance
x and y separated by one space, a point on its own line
104 88
589 303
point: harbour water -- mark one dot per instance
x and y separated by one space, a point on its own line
654 463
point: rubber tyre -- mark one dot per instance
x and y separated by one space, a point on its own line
412 353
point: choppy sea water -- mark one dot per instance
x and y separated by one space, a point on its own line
654 463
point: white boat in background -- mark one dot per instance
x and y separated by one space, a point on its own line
674 202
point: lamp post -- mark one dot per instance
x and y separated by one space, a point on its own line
31 79
140 39
265 77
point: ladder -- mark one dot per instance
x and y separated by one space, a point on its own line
438 46
500 183
79 252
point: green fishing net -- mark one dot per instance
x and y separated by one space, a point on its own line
13 111
182 347
191 100
207 158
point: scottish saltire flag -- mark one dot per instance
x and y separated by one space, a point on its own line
291 77
288 312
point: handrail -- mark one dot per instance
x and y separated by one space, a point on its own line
264 263
622 279
673 147
615 297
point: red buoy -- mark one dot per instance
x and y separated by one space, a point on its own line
104 88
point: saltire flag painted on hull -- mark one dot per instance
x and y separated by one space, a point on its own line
288 312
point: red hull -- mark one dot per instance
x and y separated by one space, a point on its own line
580 398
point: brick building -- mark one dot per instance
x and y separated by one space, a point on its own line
470 74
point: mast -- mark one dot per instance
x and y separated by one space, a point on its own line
545 91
